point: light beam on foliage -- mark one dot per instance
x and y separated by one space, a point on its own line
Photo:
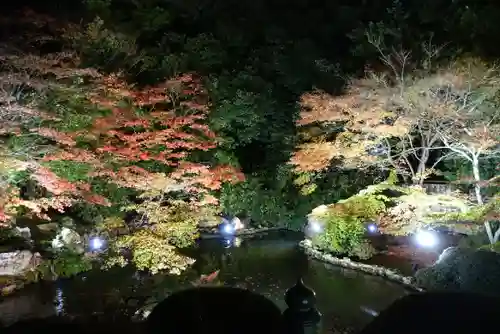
427 239
97 244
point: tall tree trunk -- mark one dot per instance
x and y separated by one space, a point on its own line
477 181
422 166
479 198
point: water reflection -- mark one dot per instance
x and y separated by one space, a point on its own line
267 266
59 301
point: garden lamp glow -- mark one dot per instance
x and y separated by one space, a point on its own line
227 229
426 239
96 244
315 227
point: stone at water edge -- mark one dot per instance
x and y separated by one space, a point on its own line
238 225
23 232
144 312
15 269
47 228
70 239
208 223
6 290
17 263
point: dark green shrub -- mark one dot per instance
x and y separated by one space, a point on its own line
341 234
491 247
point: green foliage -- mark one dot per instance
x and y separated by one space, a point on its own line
397 210
366 207
98 6
206 53
474 241
344 225
275 200
341 235
155 248
6 235
492 247
400 210
105 49
392 179
460 171
305 183
476 214
363 250
70 170
256 72
70 106
241 115
119 197
151 252
17 177
265 206
27 145
65 264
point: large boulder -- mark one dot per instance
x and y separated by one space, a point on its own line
413 209
69 239
22 232
238 224
463 269
17 263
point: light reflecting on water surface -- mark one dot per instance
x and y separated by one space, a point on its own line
267 266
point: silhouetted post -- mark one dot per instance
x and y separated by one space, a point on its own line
301 316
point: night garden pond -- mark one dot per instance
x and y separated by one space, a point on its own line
267 264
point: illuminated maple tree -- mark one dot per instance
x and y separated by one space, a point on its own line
126 137
399 120
136 130
84 133
361 118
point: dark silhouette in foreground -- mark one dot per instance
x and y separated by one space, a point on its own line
217 310
231 310
439 312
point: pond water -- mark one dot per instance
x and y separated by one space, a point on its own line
267 265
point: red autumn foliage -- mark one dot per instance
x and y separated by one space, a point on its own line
165 136
62 194
3 218
117 142
206 279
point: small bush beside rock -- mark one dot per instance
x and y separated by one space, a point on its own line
363 251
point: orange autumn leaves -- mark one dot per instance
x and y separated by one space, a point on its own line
164 136
127 136
361 118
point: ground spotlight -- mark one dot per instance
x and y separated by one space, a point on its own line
426 239
227 229
315 227
96 244
372 228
